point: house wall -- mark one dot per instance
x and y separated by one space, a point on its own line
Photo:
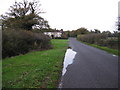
55 34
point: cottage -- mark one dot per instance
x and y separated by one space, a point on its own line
54 34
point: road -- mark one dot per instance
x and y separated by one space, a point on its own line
91 68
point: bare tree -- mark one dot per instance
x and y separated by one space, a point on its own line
24 15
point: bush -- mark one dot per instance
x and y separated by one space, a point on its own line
21 41
110 42
99 39
90 38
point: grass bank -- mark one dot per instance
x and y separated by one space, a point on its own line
40 69
109 50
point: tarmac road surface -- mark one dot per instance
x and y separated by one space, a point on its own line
91 68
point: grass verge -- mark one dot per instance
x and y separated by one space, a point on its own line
109 50
40 69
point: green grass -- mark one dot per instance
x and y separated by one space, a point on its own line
109 50
40 69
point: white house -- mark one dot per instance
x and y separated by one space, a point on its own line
54 34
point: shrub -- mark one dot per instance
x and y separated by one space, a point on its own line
99 39
111 43
21 41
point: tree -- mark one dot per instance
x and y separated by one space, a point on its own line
73 33
82 31
67 33
97 31
116 34
108 33
24 15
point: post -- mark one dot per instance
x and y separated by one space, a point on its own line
0 54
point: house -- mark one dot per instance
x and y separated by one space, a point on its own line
54 34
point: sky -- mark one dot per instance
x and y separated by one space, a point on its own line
74 14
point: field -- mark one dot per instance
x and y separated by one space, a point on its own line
38 69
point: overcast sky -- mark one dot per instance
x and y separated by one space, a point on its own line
73 14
